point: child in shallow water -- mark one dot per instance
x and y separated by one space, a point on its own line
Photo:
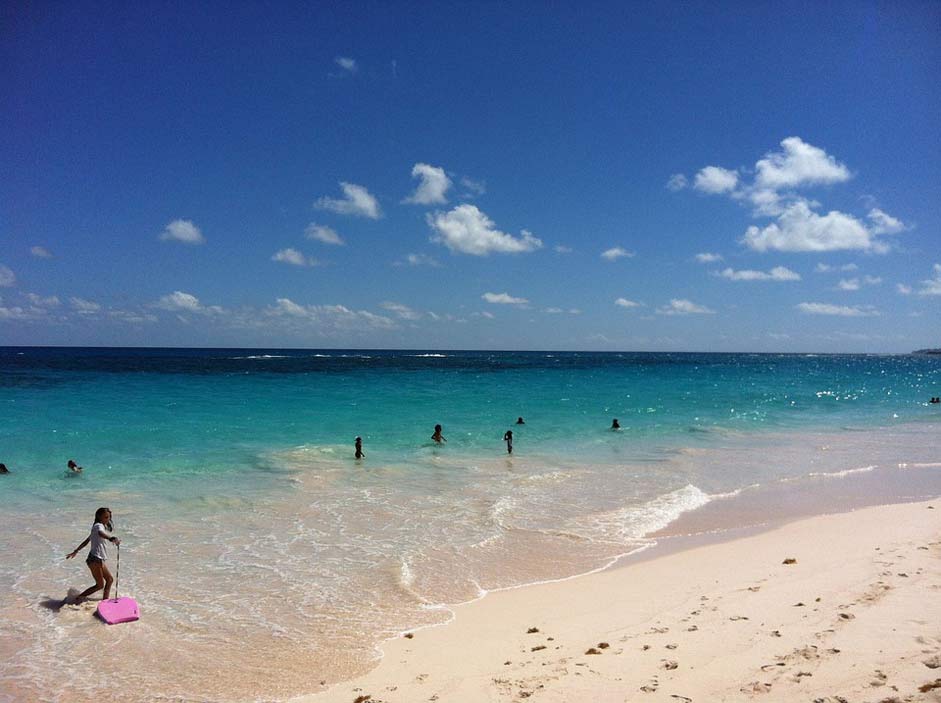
437 436
101 534
358 445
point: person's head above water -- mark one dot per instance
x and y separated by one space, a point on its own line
519 421
359 440
437 428
103 515
71 463
4 469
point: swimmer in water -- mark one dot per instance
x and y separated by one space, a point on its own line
4 469
520 421
437 436
508 438
359 448
74 468
615 425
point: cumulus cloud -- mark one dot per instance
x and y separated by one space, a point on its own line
778 273
800 229
50 301
432 188
293 257
417 260
473 188
356 201
178 301
798 164
7 277
615 253
182 231
932 286
848 284
84 307
684 307
903 289
322 233
467 230
838 310
347 64
677 182
827 268
625 303
503 299
715 180
40 252
562 249
400 310
328 319
884 223
707 258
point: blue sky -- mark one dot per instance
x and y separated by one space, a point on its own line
611 176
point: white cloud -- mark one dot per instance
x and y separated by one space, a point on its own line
932 286
554 311
677 182
848 284
84 307
322 233
707 258
884 223
838 310
903 289
433 186
625 303
417 260
872 280
684 307
801 229
715 179
46 302
182 231
615 253
347 64
473 187
328 319
798 164
402 311
178 301
131 316
827 268
778 273
483 313
562 249
356 201
40 252
467 230
7 277
503 299
293 257
17 313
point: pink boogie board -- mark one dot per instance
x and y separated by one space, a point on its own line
115 610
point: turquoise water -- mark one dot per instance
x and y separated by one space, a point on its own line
247 522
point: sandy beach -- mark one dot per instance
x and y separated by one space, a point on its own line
832 608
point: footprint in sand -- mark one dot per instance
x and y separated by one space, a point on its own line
669 664
934 662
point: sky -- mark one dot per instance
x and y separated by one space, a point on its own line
658 176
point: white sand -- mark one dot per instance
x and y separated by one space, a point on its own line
857 617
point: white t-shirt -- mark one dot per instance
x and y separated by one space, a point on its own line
99 541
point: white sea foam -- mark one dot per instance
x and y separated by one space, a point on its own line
844 472
429 356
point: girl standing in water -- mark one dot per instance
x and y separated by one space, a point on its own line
98 553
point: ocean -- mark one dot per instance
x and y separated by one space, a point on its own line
269 563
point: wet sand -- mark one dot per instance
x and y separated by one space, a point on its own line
831 608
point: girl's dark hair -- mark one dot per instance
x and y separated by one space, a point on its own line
99 513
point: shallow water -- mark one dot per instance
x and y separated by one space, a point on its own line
251 535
